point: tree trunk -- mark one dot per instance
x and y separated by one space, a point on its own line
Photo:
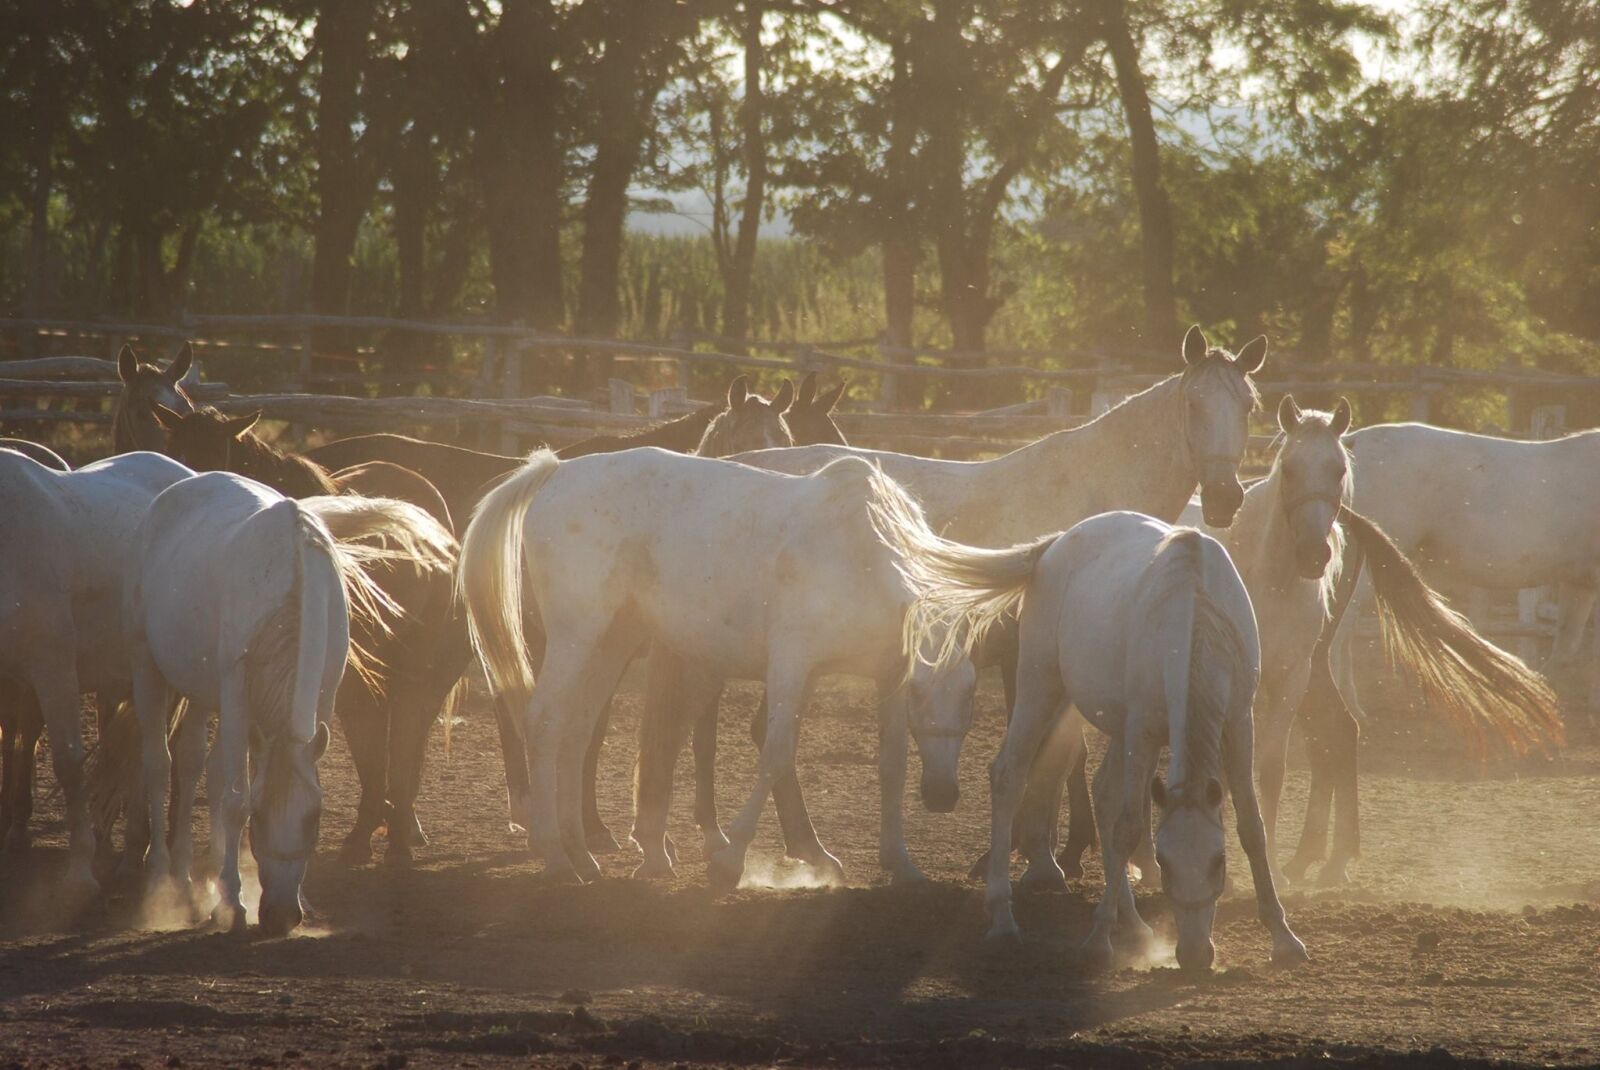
736 308
621 130
344 184
520 164
900 235
39 207
1155 212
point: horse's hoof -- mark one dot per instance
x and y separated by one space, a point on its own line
559 873
724 870
654 869
600 841
398 856
1290 952
1096 953
979 870
714 842
829 868
228 918
356 850
905 873
1003 935
586 867
671 849
1041 877
1071 865
1335 874
1295 871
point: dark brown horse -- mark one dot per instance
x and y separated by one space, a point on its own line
418 662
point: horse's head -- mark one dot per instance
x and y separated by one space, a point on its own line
1314 473
1191 851
201 438
939 704
144 386
811 415
285 817
750 422
1218 398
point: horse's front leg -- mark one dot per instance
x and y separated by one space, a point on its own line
1108 806
228 776
365 721
704 722
1344 759
1237 746
1040 698
788 688
1273 719
893 742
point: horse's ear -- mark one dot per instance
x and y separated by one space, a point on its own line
239 426
1195 346
180 364
831 397
1213 793
1253 355
169 420
808 390
319 742
1288 414
1341 416
738 391
784 401
127 363
1158 792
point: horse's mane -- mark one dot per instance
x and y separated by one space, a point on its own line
681 435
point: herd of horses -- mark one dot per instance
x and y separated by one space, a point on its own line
203 573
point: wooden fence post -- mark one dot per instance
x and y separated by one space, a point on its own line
1546 422
1058 402
621 396
665 401
306 343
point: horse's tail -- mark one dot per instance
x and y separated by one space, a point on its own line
961 591
365 532
1202 654
489 578
1485 694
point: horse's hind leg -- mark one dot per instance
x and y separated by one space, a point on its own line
366 730
55 683
1316 719
1081 836
709 702
1237 745
597 837
411 723
585 700
676 697
800 840
188 764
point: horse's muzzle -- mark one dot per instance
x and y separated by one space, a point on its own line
1197 959
939 796
1219 502
1312 561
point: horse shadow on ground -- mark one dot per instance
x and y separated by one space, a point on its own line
882 962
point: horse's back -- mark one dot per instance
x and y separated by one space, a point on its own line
33 451
385 479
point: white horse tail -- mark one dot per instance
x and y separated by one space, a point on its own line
366 532
489 578
1486 694
1201 654
960 591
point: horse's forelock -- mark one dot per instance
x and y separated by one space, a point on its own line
1220 363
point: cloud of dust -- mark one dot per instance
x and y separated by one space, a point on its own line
785 876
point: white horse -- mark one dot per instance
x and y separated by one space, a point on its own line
1486 512
740 572
239 599
63 539
1147 454
1287 542
1148 631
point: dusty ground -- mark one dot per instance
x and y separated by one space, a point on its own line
1470 933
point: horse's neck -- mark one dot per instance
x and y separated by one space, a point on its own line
295 477
1262 548
1133 457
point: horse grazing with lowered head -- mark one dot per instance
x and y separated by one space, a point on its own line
420 657
748 573
1148 631
241 600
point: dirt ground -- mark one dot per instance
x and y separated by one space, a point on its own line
1470 933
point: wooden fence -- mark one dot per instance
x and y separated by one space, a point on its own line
499 415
